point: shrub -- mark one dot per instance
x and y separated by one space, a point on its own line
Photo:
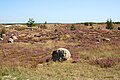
20 28
91 24
72 28
3 31
43 26
105 63
86 24
45 22
30 22
109 24
116 22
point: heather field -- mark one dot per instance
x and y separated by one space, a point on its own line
95 53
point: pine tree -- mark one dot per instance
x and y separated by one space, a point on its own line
45 22
109 24
30 22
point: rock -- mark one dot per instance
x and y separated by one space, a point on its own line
98 40
10 40
106 39
22 35
3 35
1 39
39 65
66 53
56 55
61 54
14 37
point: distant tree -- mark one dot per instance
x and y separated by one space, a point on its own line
116 22
91 24
109 24
45 22
86 24
30 22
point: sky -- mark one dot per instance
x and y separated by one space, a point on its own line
59 11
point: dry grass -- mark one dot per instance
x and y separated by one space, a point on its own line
63 71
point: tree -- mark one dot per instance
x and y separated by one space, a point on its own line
109 24
45 22
30 22
86 24
91 24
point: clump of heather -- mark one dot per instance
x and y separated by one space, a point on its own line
105 62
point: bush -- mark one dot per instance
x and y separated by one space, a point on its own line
45 22
109 24
86 24
105 63
30 22
91 24
43 26
116 22
3 31
72 28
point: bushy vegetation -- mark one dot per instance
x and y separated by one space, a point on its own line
109 24
20 28
31 22
3 31
116 22
43 26
106 63
89 23
86 24
72 27
29 58
45 22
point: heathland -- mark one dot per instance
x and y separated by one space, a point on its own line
95 52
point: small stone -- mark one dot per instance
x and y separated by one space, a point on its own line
10 40
14 37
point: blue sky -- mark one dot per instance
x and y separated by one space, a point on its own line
59 11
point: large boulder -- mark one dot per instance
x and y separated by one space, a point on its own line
61 54
56 55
